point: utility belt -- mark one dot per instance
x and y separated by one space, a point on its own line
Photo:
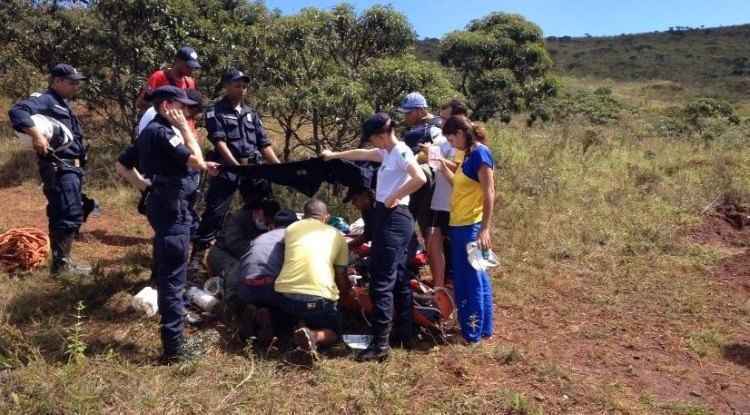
71 162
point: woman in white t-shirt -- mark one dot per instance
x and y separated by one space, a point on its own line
398 177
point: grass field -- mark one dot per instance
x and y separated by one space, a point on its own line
624 289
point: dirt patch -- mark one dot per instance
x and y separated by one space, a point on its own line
727 224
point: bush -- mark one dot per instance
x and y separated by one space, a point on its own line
597 107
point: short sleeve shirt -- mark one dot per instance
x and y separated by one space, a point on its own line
467 200
441 197
311 250
393 172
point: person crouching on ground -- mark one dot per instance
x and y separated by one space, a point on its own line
313 277
250 285
398 177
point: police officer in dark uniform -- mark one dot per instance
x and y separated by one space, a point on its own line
61 169
166 151
239 138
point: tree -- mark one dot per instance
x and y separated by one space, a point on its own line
120 54
326 70
389 79
500 64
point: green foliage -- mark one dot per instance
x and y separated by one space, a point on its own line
712 60
706 118
75 346
389 79
703 112
596 107
500 63
326 70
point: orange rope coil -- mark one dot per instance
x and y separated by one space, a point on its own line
23 248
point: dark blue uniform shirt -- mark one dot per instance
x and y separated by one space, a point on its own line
422 133
51 104
242 131
158 151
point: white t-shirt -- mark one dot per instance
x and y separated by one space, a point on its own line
441 197
146 118
392 173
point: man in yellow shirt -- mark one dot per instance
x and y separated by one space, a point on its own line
314 273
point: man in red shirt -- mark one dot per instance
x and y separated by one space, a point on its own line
178 75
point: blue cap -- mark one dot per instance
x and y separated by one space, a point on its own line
171 93
190 56
63 70
234 74
413 101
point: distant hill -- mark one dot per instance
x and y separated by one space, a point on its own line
716 59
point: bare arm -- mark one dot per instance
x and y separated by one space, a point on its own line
416 180
195 161
38 141
487 182
353 155
342 281
446 170
132 176
269 155
226 154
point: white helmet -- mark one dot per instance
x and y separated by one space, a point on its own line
57 133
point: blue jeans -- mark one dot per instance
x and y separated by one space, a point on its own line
389 279
317 313
473 289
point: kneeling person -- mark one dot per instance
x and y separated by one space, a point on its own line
256 273
313 275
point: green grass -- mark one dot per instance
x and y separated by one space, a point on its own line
590 226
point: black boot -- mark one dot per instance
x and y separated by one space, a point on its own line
378 350
62 244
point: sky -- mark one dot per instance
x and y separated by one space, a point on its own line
434 18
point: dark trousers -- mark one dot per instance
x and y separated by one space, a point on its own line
389 284
171 222
62 188
218 200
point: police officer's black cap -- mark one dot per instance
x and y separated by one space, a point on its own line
196 96
171 93
284 218
374 124
63 70
355 191
190 56
233 75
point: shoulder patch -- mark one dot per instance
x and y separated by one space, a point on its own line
177 139
210 114
35 94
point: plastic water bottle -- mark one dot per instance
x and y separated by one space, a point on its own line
146 301
201 298
480 259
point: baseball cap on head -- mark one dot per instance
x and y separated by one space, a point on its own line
63 70
233 75
190 56
196 96
284 218
376 123
171 93
412 101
